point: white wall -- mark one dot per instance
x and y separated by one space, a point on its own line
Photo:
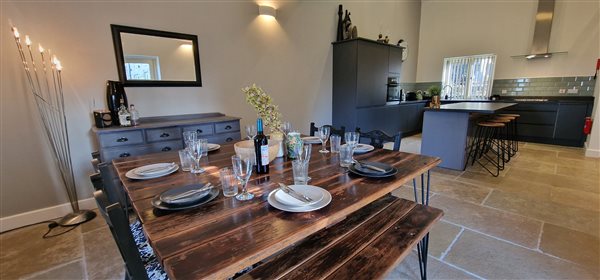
457 28
290 58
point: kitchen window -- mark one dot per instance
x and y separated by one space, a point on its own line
469 77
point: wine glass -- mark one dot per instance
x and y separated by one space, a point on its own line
303 153
195 148
286 127
189 136
323 133
251 131
242 169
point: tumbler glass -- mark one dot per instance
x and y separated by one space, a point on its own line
336 141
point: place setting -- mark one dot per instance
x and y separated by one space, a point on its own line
152 171
368 169
299 197
185 197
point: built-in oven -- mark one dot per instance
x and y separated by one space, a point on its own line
394 92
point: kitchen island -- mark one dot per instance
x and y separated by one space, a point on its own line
446 130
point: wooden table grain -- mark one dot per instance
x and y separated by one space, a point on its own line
224 236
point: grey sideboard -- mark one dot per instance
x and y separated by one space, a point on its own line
163 134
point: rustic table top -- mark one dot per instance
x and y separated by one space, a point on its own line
224 236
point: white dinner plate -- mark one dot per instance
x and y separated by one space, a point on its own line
154 169
300 209
311 140
213 147
313 192
131 174
362 148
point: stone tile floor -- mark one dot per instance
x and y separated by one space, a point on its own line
538 220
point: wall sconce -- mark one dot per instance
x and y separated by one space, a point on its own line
266 11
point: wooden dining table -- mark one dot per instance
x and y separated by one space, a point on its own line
224 236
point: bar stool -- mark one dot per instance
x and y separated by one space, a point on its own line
514 125
505 137
485 137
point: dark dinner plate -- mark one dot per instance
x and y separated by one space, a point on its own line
185 200
156 202
366 172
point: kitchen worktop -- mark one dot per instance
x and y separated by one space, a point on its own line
474 107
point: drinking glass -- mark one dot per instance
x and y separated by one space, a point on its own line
204 147
186 160
228 182
242 169
323 133
303 152
189 136
251 131
335 143
351 138
195 149
346 155
300 171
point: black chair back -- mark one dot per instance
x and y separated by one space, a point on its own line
111 186
118 223
377 138
333 130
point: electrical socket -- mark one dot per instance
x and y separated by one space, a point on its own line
573 90
504 91
562 90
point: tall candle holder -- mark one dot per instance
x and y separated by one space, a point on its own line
49 100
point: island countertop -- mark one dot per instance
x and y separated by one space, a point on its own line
474 107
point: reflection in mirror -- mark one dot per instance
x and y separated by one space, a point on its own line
156 58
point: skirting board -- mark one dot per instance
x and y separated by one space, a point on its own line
40 215
591 152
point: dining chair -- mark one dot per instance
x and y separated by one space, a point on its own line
333 130
378 138
139 258
111 185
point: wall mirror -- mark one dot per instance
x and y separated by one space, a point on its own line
148 58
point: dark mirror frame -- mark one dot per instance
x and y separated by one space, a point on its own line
116 35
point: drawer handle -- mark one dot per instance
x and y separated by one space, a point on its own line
199 131
228 127
166 149
229 139
124 155
164 135
122 139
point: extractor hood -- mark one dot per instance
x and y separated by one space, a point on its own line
541 34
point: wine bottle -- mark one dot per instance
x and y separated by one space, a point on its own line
115 93
261 149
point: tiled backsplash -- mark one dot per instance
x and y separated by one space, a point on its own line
551 86
584 85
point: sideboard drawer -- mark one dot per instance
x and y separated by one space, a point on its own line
119 152
205 129
166 146
163 134
121 138
225 138
225 127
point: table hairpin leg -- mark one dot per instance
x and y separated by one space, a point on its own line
423 245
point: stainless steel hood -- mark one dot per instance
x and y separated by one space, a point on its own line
541 34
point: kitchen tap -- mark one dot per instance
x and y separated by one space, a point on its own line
444 89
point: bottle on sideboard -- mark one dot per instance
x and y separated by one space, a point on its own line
135 115
124 115
115 92
261 149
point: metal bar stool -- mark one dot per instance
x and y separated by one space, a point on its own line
486 137
514 126
505 137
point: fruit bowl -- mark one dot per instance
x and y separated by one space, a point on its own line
245 149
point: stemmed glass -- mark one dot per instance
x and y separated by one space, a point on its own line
323 133
251 131
242 169
286 127
304 153
351 139
195 148
189 136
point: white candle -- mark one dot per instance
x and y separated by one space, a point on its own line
27 41
58 65
15 32
40 48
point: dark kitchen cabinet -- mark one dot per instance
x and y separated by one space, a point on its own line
570 121
361 68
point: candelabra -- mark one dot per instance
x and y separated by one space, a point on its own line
49 100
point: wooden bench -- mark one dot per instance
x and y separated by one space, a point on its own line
366 245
